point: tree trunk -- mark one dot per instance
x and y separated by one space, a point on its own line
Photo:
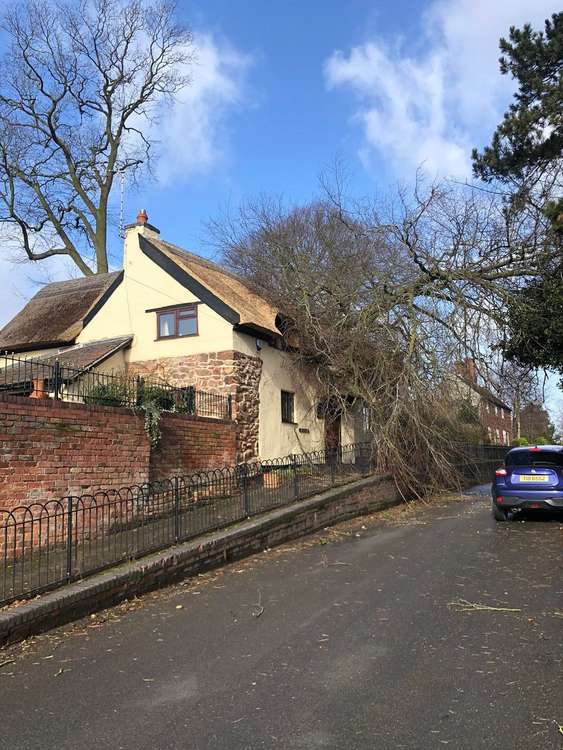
101 239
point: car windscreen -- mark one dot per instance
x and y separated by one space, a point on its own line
535 458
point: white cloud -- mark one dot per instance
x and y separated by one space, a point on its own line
429 107
192 138
191 134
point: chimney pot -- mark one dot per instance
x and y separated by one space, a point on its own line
38 385
142 217
467 369
142 227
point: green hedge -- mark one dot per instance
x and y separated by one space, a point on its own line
107 394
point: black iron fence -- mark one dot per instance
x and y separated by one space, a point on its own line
46 545
477 461
49 379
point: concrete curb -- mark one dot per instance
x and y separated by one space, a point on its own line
189 558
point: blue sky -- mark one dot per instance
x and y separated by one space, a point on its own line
283 88
284 126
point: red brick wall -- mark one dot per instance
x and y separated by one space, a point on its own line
49 450
189 443
493 419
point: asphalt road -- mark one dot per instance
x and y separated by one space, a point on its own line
347 640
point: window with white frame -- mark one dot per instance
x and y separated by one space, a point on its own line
176 322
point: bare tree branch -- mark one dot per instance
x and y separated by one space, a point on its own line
78 87
381 302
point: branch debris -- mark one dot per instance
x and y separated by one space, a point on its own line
258 608
462 605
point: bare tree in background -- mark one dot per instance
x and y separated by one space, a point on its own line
381 302
559 424
519 386
78 86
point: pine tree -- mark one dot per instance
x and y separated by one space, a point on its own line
530 136
525 153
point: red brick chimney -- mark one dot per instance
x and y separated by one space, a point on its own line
142 227
38 385
142 217
467 369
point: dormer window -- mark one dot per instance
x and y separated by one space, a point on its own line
176 322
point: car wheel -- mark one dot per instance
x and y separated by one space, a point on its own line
499 514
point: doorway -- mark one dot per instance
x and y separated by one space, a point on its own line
332 432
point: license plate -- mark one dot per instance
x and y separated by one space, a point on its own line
534 478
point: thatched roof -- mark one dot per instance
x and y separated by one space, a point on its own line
254 311
74 361
57 313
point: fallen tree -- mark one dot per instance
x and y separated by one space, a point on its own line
381 301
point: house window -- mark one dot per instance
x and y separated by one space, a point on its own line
176 322
287 407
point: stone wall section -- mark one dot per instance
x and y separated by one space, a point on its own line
247 373
213 372
225 372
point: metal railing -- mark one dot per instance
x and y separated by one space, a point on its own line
48 380
46 545
477 461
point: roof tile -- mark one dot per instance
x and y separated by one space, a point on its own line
80 358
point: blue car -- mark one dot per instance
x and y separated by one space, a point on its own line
531 479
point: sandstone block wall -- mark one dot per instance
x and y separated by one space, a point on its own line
225 372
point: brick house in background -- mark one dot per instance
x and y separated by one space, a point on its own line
495 416
179 317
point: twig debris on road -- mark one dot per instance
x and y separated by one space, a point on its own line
462 605
258 608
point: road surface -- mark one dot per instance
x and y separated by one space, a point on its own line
354 638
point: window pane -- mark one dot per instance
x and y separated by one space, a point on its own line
287 406
166 324
187 326
535 458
